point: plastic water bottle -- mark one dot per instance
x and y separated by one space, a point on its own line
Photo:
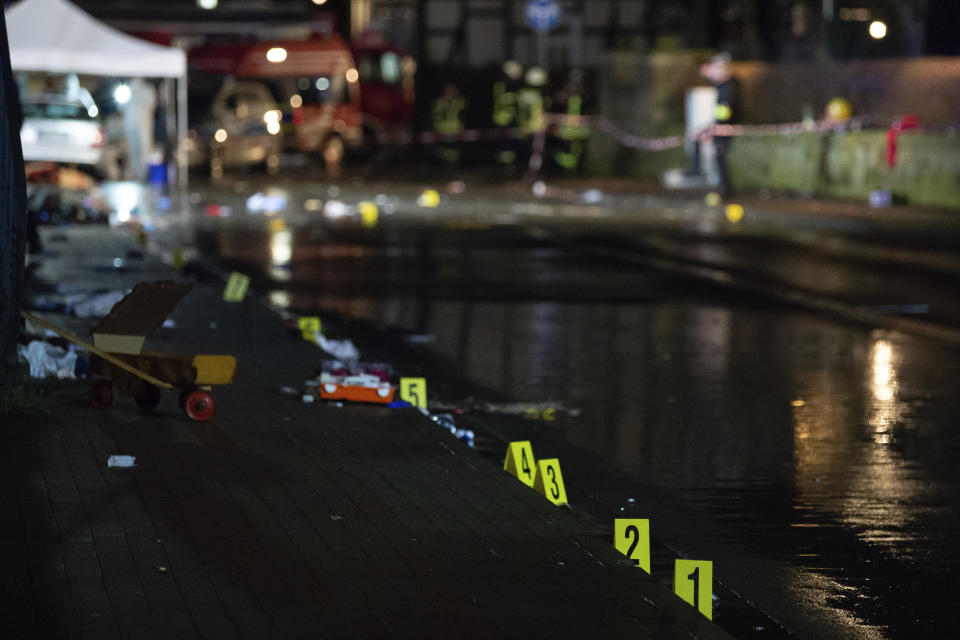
121 461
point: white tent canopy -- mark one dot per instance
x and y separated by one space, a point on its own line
58 37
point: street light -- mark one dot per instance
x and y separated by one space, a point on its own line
319 2
207 4
122 94
878 30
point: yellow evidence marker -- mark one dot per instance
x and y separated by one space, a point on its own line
631 537
693 582
520 462
308 327
414 391
368 213
429 198
734 212
236 289
549 481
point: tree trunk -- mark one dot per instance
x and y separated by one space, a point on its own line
13 216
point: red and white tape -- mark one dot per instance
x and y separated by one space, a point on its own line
620 135
724 130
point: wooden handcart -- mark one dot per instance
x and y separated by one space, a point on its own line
145 375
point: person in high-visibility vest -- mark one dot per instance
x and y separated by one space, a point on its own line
505 94
719 71
505 111
571 134
448 121
530 116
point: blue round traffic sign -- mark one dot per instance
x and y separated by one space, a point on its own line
543 15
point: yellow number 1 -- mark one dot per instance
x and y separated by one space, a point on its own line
693 582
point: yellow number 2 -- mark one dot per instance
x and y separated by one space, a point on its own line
631 537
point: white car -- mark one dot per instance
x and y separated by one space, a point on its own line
243 128
57 129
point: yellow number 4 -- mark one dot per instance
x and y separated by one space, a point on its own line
549 481
520 462
414 391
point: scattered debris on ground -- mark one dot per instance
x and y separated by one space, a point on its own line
339 349
546 411
47 360
122 461
353 381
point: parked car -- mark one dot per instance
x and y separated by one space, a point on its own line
315 83
60 129
242 128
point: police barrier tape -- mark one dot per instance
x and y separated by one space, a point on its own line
623 137
717 130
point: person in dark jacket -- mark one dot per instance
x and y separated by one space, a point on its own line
719 72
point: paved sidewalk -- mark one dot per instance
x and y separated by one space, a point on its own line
279 519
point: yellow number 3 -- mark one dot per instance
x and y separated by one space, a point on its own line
549 481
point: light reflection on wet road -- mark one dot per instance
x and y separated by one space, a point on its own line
820 447
813 460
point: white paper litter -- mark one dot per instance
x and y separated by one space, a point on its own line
97 306
121 461
339 349
591 196
47 360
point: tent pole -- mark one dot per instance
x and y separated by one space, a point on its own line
170 126
182 131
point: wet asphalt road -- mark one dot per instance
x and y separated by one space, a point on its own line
809 454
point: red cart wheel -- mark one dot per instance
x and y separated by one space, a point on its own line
148 397
101 394
199 405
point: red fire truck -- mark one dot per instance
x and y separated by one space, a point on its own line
331 97
386 86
